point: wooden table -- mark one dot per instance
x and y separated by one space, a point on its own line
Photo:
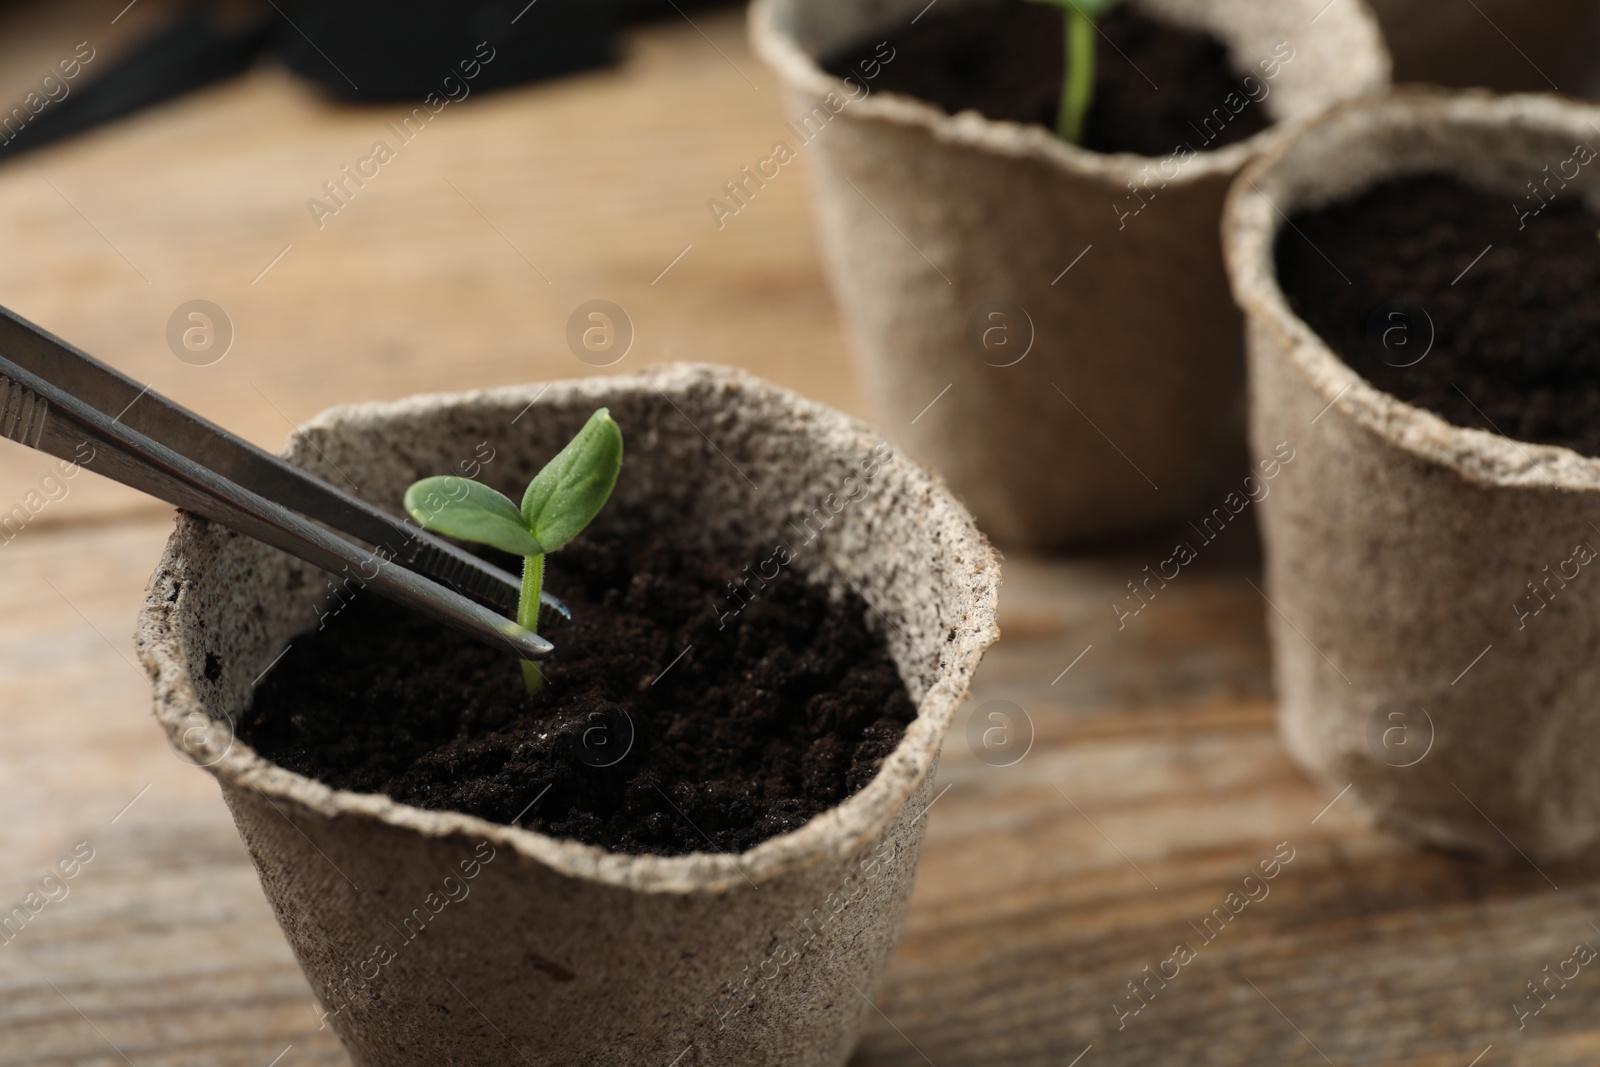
1154 783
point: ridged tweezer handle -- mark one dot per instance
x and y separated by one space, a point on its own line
22 413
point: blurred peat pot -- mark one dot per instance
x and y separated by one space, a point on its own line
1440 658
1049 326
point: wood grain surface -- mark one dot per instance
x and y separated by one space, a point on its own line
1145 783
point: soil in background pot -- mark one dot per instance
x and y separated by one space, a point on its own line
1004 58
774 714
1480 307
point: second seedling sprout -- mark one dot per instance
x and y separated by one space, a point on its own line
1077 80
561 500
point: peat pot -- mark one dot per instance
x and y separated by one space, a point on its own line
562 953
1397 544
1117 397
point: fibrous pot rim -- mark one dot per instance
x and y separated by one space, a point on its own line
801 71
837 832
1272 189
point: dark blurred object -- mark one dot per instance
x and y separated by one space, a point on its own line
359 50
391 50
1504 45
195 49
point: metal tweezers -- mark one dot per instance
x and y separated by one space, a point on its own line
64 402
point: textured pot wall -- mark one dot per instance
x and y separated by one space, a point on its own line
534 962
544 951
1509 45
1397 544
1130 398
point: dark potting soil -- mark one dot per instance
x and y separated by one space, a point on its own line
1511 303
1004 58
783 712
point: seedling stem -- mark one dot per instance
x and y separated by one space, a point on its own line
1077 79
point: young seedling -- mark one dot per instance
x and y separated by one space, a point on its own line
1077 80
561 500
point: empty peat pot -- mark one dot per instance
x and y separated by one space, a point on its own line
560 953
1047 325
1508 45
1404 552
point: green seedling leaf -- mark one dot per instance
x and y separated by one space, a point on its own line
566 496
471 511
